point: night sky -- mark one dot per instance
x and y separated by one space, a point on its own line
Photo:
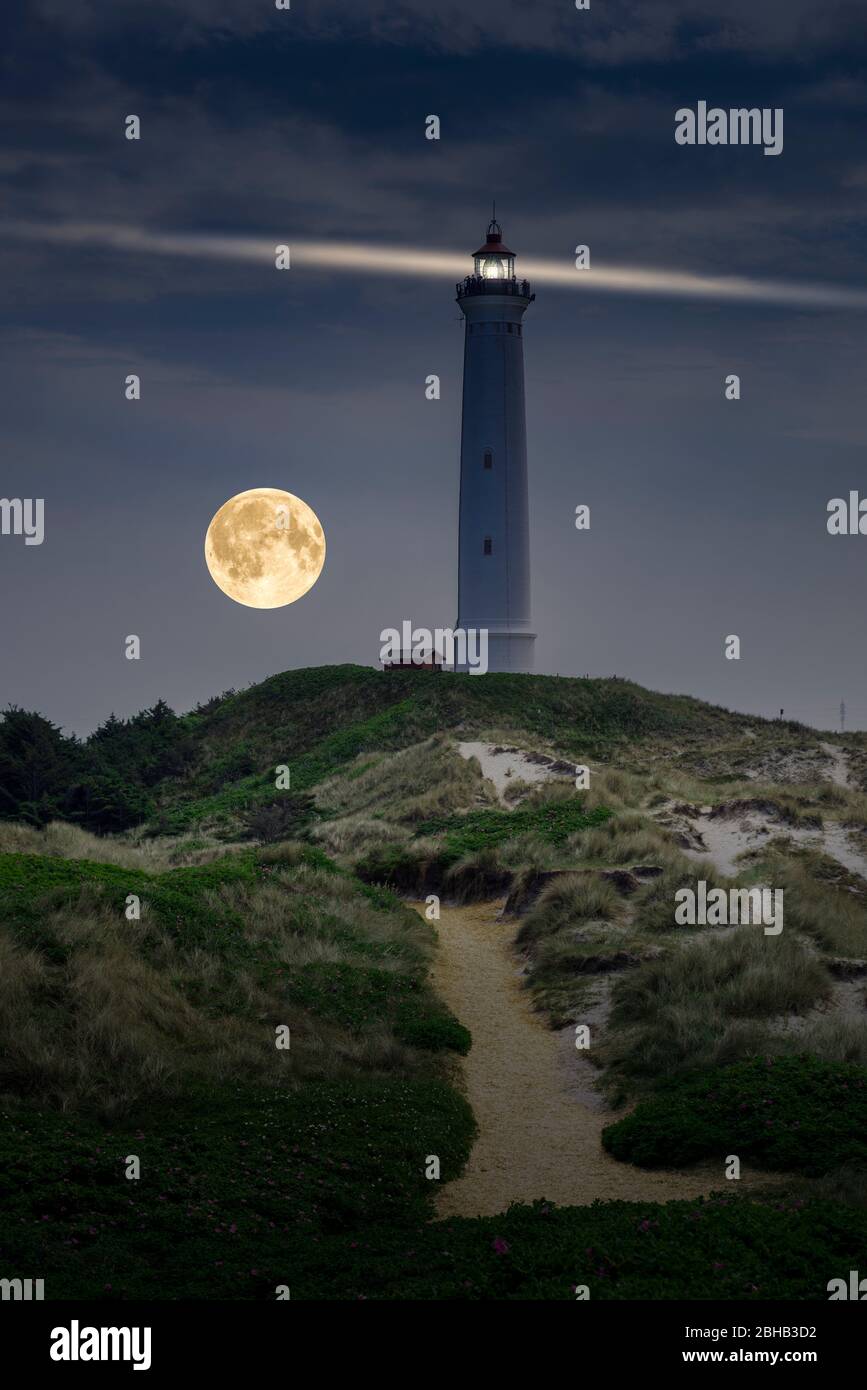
708 516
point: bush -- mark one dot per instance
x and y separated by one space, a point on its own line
559 959
702 1005
99 1011
433 1028
790 1114
325 1191
421 781
725 1248
743 974
410 869
625 839
477 876
567 901
552 821
529 854
280 819
832 915
358 997
244 1188
288 854
655 902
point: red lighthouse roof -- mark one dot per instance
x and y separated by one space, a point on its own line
494 244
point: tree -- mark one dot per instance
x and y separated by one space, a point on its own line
37 766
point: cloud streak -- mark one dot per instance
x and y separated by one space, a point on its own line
415 262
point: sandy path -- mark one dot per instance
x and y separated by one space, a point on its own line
839 769
535 1139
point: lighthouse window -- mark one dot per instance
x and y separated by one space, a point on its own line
489 459
488 545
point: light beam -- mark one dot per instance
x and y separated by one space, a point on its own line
410 261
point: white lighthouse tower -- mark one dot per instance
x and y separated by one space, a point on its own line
494 539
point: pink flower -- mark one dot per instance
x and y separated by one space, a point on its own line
501 1246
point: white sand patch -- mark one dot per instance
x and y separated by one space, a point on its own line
839 844
503 766
726 839
838 772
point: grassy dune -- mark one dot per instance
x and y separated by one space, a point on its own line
99 1010
154 1036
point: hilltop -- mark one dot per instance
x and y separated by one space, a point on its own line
217 762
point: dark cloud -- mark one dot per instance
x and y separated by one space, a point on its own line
615 32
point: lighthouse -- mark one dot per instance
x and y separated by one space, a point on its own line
494 529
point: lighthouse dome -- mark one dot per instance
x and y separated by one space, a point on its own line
494 242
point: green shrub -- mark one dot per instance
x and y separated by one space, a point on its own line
420 1023
358 997
791 1114
278 819
325 1190
558 959
725 1248
477 876
707 1004
242 1189
819 899
743 974
552 821
627 838
655 904
567 901
410 869
100 1012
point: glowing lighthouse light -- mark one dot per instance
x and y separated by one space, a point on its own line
494 261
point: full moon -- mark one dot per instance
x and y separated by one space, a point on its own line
265 548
